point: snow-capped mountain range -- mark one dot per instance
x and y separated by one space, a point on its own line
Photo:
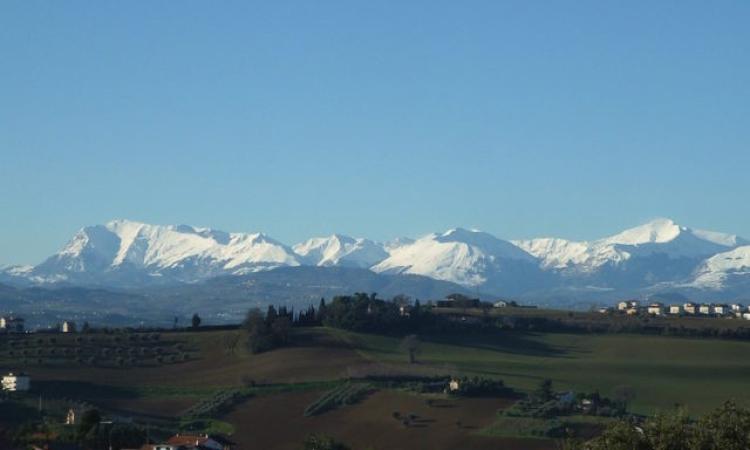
338 250
658 255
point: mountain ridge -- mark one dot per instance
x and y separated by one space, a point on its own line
659 254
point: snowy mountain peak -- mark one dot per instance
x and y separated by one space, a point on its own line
658 254
657 231
467 236
469 258
715 272
481 240
657 238
340 250
122 247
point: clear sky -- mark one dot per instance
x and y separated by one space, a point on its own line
372 118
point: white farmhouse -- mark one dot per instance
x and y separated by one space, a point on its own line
627 305
16 382
690 308
722 309
656 309
675 309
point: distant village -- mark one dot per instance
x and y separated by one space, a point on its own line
635 308
15 324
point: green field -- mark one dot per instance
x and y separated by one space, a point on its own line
698 373
663 371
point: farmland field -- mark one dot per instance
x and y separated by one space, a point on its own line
663 371
277 422
279 385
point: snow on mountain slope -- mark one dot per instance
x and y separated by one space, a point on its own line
468 258
658 237
180 252
660 253
715 272
396 243
338 250
555 253
16 270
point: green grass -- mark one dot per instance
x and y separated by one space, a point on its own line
697 373
664 371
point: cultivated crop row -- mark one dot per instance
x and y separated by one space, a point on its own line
345 394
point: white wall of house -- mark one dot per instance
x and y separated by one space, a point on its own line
16 383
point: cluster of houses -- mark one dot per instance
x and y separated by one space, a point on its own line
13 324
634 307
193 442
176 442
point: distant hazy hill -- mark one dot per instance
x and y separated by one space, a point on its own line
297 287
222 299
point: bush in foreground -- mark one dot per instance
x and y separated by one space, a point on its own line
726 428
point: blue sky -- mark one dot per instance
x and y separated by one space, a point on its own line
375 119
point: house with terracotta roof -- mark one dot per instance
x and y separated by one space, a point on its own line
198 441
